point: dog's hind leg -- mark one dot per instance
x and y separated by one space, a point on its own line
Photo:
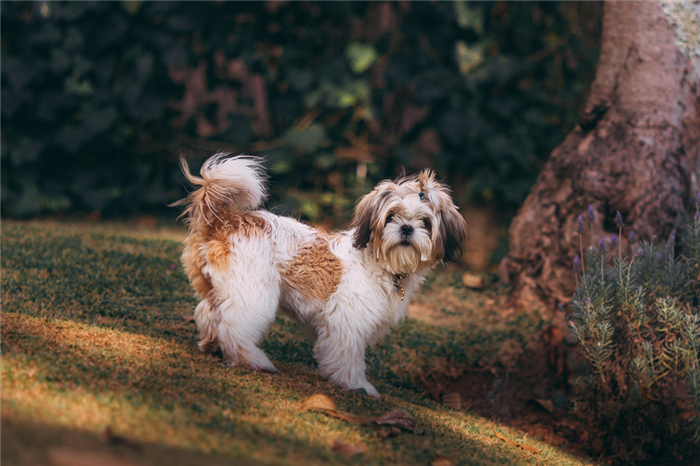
206 316
249 293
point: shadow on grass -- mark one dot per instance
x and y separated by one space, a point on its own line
32 443
143 387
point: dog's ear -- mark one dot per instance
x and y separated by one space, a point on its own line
362 222
370 216
454 233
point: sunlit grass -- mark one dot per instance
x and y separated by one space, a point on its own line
92 336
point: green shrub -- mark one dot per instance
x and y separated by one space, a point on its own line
99 99
637 320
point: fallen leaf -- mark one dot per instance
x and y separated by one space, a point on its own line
110 437
452 400
58 456
473 281
443 461
188 318
348 450
397 417
547 405
646 395
318 401
401 418
515 444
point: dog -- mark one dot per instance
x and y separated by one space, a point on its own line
346 289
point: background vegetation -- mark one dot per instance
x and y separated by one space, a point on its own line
100 99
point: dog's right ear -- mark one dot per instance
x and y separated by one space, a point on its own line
362 222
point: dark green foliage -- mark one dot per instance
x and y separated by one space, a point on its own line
637 319
101 98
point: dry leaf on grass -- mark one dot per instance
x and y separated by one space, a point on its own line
547 405
59 456
348 450
189 318
443 461
452 400
111 438
400 418
318 401
395 417
515 444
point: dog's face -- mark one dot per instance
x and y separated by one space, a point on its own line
409 224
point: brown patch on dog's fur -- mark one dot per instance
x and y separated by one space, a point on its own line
314 272
215 239
194 263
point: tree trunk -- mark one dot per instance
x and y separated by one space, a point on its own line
636 150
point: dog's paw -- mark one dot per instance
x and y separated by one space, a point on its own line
368 390
208 347
254 358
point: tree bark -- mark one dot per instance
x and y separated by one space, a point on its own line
635 150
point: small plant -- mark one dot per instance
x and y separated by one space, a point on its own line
636 317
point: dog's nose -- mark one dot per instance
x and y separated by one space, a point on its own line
406 229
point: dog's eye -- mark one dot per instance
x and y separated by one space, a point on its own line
389 219
427 224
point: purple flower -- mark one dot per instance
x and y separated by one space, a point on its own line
613 241
601 246
618 220
591 212
633 237
657 256
577 265
579 225
588 302
640 251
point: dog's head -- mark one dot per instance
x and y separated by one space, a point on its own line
409 224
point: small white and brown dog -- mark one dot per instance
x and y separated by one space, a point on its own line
346 289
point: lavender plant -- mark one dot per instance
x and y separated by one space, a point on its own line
636 317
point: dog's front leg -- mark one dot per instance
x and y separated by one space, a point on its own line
341 359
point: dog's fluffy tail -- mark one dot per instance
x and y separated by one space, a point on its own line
225 182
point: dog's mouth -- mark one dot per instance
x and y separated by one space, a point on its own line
405 243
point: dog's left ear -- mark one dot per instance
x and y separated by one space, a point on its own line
453 229
454 233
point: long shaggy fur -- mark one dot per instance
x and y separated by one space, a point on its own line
346 289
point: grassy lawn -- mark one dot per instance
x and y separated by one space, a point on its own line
93 338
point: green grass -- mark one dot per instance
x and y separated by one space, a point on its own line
92 336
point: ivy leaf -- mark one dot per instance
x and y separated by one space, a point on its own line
468 58
360 56
467 17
